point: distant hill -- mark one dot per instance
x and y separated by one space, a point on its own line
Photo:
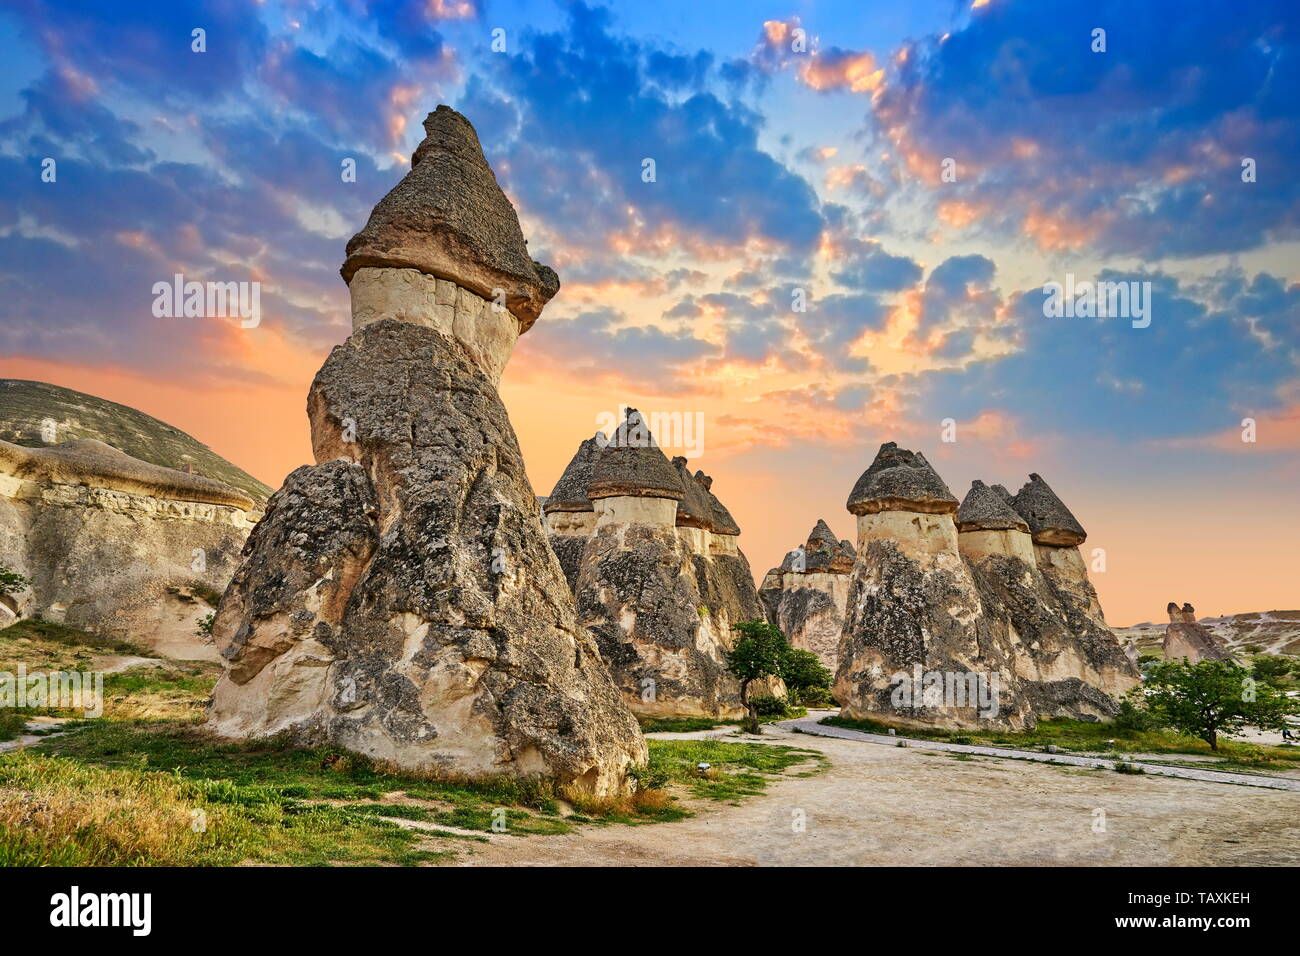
1273 632
25 406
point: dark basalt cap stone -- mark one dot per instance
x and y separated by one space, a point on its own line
1048 518
983 509
449 218
900 480
1005 495
824 552
723 523
570 492
695 510
631 463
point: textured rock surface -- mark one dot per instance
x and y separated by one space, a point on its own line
806 596
985 509
913 615
1050 522
402 602
900 480
487 334
448 218
1190 640
117 546
1068 664
632 465
987 599
657 584
570 517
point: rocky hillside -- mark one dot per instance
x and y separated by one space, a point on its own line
25 406
1272 632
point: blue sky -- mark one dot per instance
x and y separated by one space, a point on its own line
780 171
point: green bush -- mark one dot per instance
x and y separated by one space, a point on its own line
812 697
765 705
655 775
1134 719
11 582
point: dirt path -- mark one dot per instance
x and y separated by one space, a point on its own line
908 806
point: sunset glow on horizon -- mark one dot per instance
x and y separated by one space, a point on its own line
843 244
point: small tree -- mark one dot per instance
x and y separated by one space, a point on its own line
1272 669
11 582
1212 697
806 678
758 653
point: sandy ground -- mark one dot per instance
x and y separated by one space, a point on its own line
882 805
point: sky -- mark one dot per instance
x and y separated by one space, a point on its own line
854 212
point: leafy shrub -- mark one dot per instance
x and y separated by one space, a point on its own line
765 705
654 775
11 582
812 697
204 627
1134 719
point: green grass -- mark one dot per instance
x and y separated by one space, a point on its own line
56 812
41 632
686 725
679 725
1099 737
737 769
123 789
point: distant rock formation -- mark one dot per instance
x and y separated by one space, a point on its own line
653 558
38 414
1068 662
917 650
993 591
112 544
1245 634
807 595
399 598
1186 638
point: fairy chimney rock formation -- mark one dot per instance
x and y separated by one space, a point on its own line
914 611
695 513
444 250
1068 663
570 515
806 596
987 524
900 497
660 578
399 598
1187 639
1057 535
632 482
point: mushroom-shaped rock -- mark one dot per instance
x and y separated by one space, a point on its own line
570 492
983 509
1049 520
824 552
631 464
1005 495
723 523
695 510
448 218
900 480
